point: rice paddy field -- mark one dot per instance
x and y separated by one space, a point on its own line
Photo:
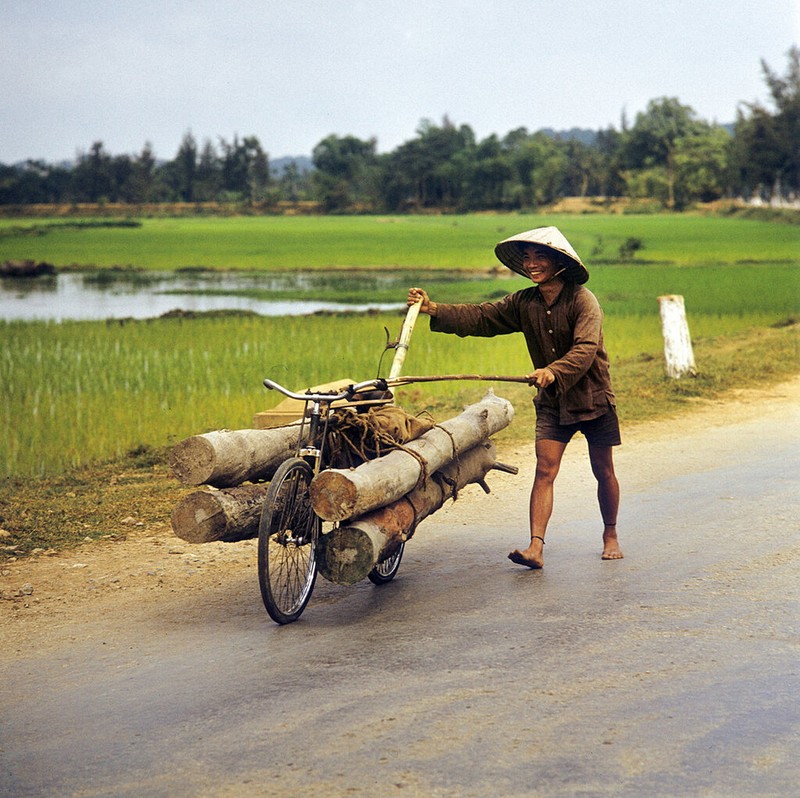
408 242
82 392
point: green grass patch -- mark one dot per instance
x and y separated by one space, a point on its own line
386 242
101 501
78 392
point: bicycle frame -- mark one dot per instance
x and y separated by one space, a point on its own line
317 402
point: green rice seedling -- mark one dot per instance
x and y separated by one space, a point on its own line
80 392
391 242
77 391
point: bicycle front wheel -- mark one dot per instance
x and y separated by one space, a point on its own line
287 542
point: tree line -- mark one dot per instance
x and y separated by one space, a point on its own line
667 154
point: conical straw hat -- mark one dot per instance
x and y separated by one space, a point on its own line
509 252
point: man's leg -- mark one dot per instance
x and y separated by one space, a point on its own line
602 460
548 462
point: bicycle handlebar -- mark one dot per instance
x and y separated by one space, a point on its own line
384 384
346 393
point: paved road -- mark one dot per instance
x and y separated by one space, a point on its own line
673 672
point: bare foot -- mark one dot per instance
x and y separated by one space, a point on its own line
611 549
532 556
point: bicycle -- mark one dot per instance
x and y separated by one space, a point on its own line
289 530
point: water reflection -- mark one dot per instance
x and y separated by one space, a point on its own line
141 295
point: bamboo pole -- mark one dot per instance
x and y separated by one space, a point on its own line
404 339
392 383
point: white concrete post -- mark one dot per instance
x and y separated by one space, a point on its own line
677 341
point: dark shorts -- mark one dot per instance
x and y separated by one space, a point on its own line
602 431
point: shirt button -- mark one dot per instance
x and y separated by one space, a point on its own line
552 350
550 331
548 312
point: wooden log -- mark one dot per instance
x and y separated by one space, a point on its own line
338 494
229 515
678 351
349 552
229 457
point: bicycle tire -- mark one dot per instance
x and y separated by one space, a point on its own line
385 571
287 542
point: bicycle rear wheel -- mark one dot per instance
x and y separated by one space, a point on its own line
385 571
287 542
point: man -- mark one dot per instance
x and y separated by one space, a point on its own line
562 324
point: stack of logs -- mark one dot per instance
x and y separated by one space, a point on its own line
375 506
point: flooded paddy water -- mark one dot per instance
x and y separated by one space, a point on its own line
140 295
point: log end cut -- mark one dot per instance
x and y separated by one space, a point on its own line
192 460
333 495
198 518
347 557
232 514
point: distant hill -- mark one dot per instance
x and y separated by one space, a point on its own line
583 135
589 137
278 165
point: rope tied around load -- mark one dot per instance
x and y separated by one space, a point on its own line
354 438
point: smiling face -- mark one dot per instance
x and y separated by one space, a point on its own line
538 264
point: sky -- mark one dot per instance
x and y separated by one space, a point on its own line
73 72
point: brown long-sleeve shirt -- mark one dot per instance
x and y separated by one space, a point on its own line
566 336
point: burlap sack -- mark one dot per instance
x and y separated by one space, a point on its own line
354 438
